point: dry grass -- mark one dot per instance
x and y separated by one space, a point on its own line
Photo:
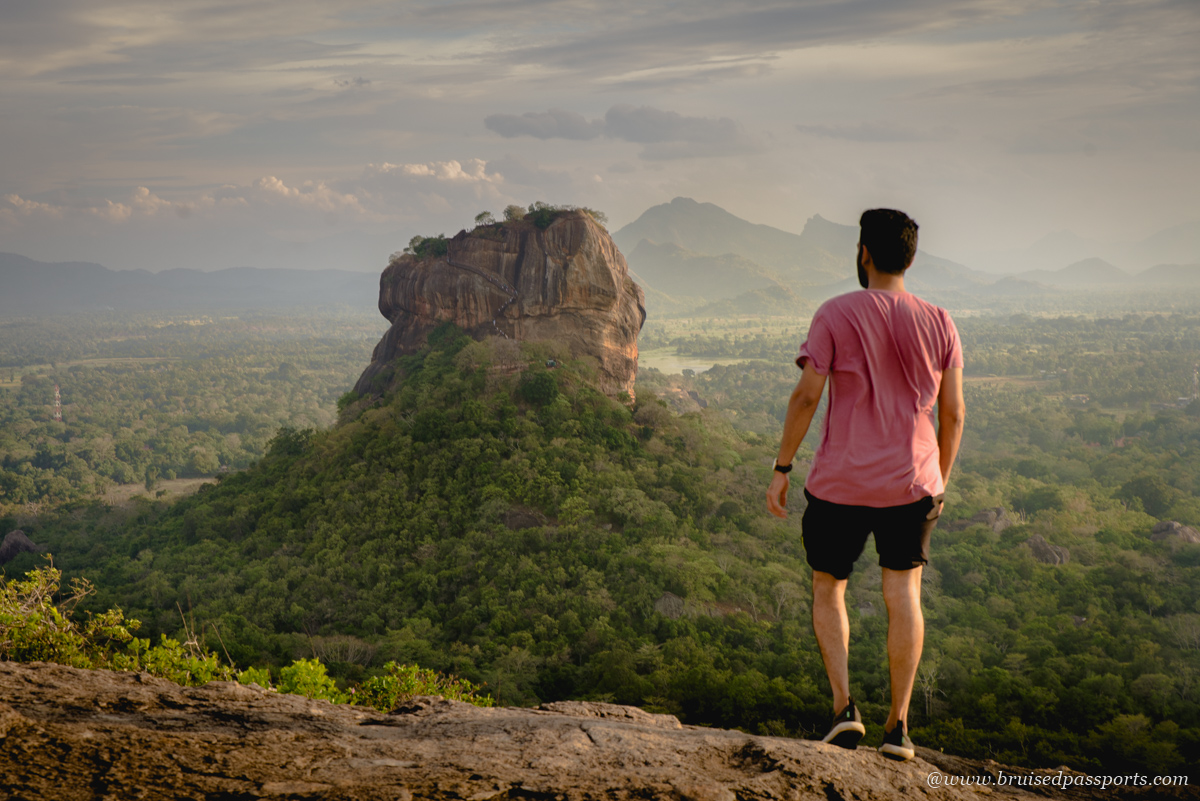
165 489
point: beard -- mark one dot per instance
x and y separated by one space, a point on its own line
862 273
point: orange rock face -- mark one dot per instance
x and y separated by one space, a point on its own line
568 283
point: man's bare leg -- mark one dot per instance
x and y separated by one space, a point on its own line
906 637
832 627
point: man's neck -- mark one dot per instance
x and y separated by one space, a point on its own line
888 282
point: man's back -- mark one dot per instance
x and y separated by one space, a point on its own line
885 352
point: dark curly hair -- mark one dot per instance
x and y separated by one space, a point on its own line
890 236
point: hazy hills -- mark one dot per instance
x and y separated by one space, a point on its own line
683 273
698 257
708 229
33 287
1179 244
690 257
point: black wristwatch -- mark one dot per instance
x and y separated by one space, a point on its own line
781 468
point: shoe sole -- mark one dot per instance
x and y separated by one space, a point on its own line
897 752
846 734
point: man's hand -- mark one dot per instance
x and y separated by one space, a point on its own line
801 407
951 416
777 495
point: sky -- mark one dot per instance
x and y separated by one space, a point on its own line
209 134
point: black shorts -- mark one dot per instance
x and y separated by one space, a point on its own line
835 534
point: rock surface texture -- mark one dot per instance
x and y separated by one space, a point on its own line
16 543
72 734
1047 553
1171 529
567 283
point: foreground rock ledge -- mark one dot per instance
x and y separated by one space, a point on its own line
80 734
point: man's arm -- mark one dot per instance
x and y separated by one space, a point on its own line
801 408
952 413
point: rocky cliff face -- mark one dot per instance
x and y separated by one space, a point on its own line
70 734
567 283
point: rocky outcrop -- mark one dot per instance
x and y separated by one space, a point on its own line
1172 530
567 283
72 734
1045 552
15 542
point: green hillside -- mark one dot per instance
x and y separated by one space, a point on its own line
708 229
516 527
682 273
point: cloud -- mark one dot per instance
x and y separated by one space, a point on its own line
17 205
525 173
865 132
552 124
632 37
647 124
665 134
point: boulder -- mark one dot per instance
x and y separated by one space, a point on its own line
670 605
1170 529
567 283
1046 553
15 542
73 734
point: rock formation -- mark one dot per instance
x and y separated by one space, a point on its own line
15 542
1171 529
1046 553
72 734
567 283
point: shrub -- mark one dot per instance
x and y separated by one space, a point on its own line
484 218
307 677
427 247
34 629
542 214
402 682
253 675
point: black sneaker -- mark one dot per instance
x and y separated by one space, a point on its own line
896 744
847 728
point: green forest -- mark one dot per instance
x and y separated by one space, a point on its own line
518 529
148 398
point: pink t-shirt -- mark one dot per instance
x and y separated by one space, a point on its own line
884 352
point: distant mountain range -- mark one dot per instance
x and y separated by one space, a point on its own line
1179 244
705 228
694 252
29 287
698 258
690 257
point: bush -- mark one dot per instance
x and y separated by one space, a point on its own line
542 214
34 629
427 247
307 677
402 682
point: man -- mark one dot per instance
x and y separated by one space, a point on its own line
881 465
